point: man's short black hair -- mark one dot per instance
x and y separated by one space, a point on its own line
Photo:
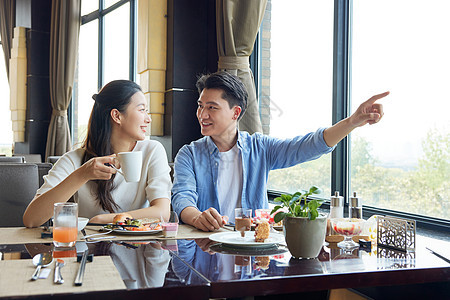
233 90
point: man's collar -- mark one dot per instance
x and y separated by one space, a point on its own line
212 147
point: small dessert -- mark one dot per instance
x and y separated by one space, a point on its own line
262 230
243 224
170 229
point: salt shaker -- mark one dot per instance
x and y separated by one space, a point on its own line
355 207
336 206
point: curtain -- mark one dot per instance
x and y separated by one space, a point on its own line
237 24
7 22
64 32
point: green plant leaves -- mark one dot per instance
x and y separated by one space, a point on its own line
295 207
279 216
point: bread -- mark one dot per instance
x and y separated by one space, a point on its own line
146 221
122 217
262 230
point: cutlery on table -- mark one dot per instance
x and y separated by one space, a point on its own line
41 260
58 278
80 274
110 224
439 255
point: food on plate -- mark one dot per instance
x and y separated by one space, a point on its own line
143 224
262 262
262 230
121 217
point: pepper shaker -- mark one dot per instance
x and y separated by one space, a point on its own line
355 207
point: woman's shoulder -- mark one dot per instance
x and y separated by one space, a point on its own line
148 146
75 156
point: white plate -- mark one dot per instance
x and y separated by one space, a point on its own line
123 231
235 239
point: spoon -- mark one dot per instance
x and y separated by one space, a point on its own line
41 260
58 278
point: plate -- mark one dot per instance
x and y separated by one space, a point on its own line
129 232
235 239
249 251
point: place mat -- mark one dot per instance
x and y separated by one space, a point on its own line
22 235
15 277
184 232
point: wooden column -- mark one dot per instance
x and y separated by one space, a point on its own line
152 49
18 83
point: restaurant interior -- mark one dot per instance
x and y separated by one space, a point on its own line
305 65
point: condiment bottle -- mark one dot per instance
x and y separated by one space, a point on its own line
336 211
355 207
336 206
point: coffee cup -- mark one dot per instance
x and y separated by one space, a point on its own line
130 165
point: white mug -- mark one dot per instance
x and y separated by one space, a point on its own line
131 165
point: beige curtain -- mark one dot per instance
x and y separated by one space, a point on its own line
237 25
7 22
64 31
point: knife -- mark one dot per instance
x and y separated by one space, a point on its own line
113 225
439 255
80 274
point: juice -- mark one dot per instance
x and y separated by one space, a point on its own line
66 252
65 236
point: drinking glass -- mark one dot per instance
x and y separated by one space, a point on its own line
65 224
243 220
348 227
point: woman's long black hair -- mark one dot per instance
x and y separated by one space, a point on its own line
115 95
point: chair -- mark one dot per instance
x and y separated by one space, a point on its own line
30 158
18 185
12 159
43 169
53 159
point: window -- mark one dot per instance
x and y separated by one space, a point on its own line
403 163
399 166
300 84
106 52
6 135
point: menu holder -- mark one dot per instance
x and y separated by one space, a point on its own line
396 233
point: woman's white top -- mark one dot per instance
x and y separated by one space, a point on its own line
155 181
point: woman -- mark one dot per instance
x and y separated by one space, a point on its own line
118 123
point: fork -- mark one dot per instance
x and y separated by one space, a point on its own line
58 278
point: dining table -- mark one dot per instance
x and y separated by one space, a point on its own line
196 265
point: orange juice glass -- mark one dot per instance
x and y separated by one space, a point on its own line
65 223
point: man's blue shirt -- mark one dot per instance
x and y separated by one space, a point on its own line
197 164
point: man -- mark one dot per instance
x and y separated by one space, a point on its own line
228 168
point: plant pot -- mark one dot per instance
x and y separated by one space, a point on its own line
305 237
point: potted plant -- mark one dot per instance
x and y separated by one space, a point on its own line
304 227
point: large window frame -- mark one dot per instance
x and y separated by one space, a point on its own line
340 169
100 15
